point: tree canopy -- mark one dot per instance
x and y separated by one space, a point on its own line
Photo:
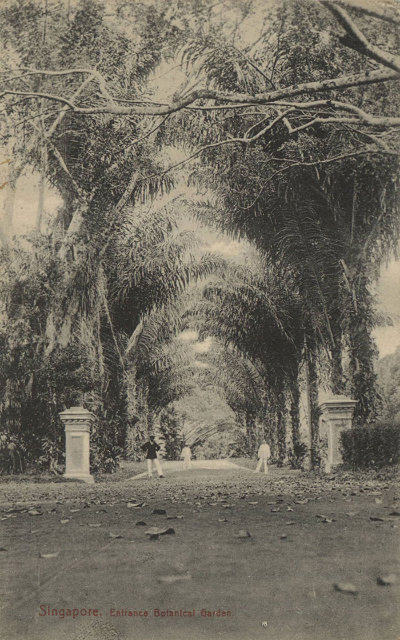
283 116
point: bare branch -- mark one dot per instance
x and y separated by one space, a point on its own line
319 120
377 140
255 66
212 145
280 116
61 115
95 75
62 164
38 94
34 72
308 88
293 163
137 140
356 39
370 119
374 13
341 156
338 120
245 140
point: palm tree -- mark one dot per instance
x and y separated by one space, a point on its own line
330 222
254 314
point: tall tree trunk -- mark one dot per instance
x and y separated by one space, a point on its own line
7 222
250 434
313 411
138 419
336 347
42 188
281 426
362 355
337 380
270 428
295 413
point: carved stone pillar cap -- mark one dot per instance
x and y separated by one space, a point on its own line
338 402
77 413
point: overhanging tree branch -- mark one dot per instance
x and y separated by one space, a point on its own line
376 12
245 99
356 40
93 75
367 118
314 163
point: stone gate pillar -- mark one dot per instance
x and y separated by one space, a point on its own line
337 416
77 422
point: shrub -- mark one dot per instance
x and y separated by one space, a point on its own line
371 447
298 455
105 453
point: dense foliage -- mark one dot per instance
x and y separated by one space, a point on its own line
170 428
371 447
292 136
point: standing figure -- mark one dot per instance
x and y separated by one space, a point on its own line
264 453
151 448
186 456
14 456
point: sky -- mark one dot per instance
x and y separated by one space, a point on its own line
388 295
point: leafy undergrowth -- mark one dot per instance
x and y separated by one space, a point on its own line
125 470
128 469
290 555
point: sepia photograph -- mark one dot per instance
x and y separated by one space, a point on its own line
200 320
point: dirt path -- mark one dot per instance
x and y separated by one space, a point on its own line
276 584
173 467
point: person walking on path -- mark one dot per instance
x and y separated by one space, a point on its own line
186 456
264 453
151 447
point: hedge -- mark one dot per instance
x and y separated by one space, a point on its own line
371 447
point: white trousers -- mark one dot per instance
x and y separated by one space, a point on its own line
187 463
261 462
150 467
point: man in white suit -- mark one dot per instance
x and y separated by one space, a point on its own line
186 456
264 453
